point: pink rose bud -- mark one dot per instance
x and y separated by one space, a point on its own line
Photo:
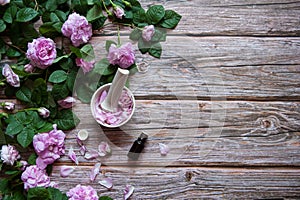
44 112
148 32
119 12
41 52
11 78
28 68
8 106
67 102
4 2
85 65
123 56
78 29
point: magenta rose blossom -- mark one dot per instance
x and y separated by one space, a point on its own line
78 29
41 52
35 177
11 78
85 65
49 146
119 12
9 154
148 32
82 193
122 56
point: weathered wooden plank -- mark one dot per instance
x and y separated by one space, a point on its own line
229 133
260 18
219 67
190 183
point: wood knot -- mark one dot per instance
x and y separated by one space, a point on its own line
188 175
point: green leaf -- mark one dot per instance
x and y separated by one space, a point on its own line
58 76
26 14
37 121
143 46
25 137
46 128
71 80
24 94
108 43
105 198
155 13
60 91
139 16
54 17
2 25
60 58
49 29
87 52
136 34
66 64
171 19
55 194
14 127
66 120
155 50
76 51
94 13
103 67
11 172
12 53
38 193
10 14
24 118
159 35
51 5
3 185
61 15
29 32
99 23
32 159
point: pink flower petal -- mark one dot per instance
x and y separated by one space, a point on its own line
72 155
106 182
164 149
82 150
66 171
128 191
104 149
91 154
95 171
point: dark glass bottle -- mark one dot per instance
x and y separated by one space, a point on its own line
137 147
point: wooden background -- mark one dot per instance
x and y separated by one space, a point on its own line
225 96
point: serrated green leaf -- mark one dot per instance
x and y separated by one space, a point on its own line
58 76
76 51
136 34
94 13
14 127
49 29
66 64
26 14
105 198
55 194
10 14
71 80
12 52
51 5
32 159
2 25
23 118
108 43
155 50
171 19
38 193
66 120
25 137
45 128
60 91
54 17
103 67
87 52
62 16
60 58
155 13
99 23
24 94
159 35
139 16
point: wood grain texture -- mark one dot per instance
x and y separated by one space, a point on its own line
191 183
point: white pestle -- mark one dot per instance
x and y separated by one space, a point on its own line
110 103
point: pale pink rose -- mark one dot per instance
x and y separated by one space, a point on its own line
33 176
11 78
28 68
119 12
44 112
82 193
67 102
49 146
4 2
123 56
8 106
148 32
78 29
85 65
9 154
41 52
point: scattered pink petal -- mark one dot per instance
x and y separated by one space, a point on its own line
66 171
82 150
72 155
104 149
106 182
164 149
95 171
79 142
128 191
91 154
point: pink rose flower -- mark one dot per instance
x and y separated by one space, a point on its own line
119 12
9 154
82 193
44 112
77 29
85 65
4 2
28 68
67 102
41 52
49 146
148 32
35 177
11 78
122 56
